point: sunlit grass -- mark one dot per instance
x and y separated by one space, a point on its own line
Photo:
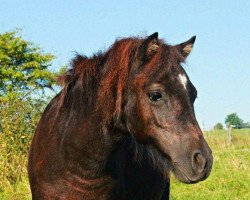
19 191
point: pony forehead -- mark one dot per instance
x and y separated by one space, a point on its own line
165 65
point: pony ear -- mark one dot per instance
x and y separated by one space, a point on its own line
149 47
186 47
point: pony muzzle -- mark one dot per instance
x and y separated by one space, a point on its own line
195 170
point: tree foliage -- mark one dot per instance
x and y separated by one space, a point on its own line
23 66
234 120
246 125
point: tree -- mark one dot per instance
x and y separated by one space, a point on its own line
23 66
218 126
234 120
24 71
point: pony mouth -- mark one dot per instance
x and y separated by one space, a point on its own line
196 176
178 172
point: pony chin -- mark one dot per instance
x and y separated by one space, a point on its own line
181 176
159 161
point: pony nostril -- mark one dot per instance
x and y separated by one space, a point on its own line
199 162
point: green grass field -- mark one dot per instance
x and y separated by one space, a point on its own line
230 177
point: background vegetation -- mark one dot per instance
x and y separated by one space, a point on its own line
24 75
18 120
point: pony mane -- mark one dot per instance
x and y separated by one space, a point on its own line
98 82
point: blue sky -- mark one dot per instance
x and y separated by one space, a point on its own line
219 65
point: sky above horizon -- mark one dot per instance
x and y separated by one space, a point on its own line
219 65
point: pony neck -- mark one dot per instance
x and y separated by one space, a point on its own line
87 146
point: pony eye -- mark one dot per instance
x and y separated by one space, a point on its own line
155 96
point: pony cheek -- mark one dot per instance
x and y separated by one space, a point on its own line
136 126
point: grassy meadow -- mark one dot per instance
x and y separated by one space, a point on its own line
230 177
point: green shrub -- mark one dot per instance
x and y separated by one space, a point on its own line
18 119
